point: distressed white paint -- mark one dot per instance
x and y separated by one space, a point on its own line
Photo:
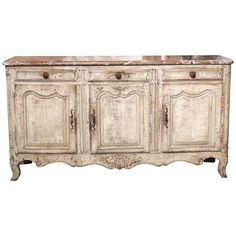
84 115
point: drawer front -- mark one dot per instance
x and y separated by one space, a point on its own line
117 74
46 74
193 73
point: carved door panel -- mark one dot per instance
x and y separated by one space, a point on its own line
45 121
119 117
191 117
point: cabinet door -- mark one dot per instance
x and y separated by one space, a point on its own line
45 121
119 118
191 117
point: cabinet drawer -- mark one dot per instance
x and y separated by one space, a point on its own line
193 73
45 74
116 74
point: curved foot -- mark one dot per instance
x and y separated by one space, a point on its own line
222 167
15 167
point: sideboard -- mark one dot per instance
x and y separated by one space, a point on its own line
118 111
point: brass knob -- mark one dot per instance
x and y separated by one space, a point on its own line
192 74
45 75
118 75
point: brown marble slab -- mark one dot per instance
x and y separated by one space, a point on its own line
119 60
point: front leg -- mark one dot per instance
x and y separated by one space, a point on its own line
222 167
15 167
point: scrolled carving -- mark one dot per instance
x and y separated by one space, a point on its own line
39 162
120 162
119 88
77 74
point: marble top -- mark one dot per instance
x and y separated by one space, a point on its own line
117 60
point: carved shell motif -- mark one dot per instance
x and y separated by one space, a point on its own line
120 162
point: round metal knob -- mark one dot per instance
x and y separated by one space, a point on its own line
45 75
118 75
192 74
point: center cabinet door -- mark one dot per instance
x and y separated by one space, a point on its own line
119 115
191 117
45 118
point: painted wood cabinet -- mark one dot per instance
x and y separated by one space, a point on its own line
118 111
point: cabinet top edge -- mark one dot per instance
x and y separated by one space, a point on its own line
118 60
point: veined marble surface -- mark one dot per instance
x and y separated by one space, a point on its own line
117 60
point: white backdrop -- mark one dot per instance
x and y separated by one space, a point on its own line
181 199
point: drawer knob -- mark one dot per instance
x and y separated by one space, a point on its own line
118 75
192 74
45 75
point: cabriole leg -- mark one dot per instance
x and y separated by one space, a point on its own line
15 167
222 167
